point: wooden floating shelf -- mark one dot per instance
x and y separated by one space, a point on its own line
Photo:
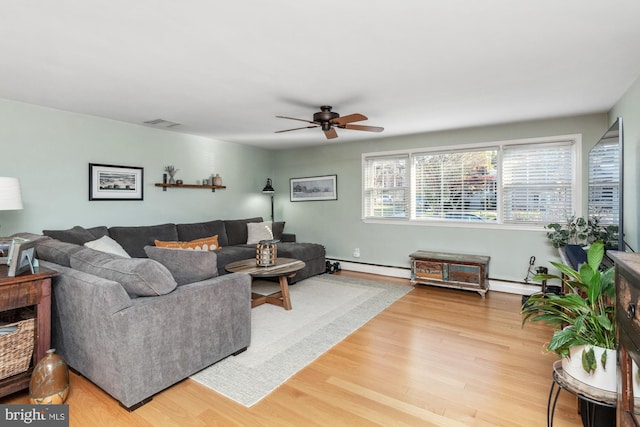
165 186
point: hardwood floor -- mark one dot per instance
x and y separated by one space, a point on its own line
437 357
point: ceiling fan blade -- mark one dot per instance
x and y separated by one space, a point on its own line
293 118
289 130
361 127
350 118
331 133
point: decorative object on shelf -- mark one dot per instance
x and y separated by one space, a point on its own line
179 182
583 232
171 170
205 181
268 189
586 321
314 188
111 182
217 180
50 381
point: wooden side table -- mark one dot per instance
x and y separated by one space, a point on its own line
26 291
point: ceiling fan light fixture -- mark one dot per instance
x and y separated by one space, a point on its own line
328 120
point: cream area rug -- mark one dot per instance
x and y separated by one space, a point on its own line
325 310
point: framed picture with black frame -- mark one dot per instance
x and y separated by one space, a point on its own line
112 182
21 256
314 188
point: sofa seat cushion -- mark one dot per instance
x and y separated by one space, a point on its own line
134 239
199 230
139 277
54 250
77 235
229 254
186 266
301 251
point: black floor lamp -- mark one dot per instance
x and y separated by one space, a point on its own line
268 189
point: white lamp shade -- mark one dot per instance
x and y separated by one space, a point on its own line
10 196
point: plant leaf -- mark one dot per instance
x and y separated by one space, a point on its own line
595 255
589 363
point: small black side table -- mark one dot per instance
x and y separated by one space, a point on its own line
592 395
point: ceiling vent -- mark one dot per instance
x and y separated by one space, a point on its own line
162 123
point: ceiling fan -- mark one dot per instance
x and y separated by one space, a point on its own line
329 120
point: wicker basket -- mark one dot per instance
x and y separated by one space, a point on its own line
16 348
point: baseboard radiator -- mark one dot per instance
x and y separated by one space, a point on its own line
496 285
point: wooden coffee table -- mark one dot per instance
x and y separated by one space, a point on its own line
284 268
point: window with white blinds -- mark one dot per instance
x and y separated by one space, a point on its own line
604 182
537 183
386 186
457 185
524 182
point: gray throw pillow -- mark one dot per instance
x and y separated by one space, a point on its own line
138 276
186 266
77 235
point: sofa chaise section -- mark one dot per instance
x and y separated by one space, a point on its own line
134 348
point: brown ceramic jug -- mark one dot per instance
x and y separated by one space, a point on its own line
49 381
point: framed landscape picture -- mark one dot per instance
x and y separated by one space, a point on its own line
111 182
314 188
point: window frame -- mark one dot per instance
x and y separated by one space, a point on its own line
576 185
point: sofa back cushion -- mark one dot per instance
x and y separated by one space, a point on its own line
237 230
134 239
186 266
199 230
139 277
53 250
77 235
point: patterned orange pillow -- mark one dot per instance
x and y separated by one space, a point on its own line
204 244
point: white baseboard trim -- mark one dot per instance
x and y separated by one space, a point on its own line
405 273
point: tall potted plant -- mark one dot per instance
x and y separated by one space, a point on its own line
583 318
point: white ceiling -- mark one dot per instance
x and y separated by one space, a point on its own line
226 69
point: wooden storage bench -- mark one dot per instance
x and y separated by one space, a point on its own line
470 272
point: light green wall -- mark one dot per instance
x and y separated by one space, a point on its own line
338 224
629 109
49 150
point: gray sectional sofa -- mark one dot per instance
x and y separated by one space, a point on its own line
135 326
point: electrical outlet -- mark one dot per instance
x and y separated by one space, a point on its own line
356 253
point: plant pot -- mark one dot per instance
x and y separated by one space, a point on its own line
602 378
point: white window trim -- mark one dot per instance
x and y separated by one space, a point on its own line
577 181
